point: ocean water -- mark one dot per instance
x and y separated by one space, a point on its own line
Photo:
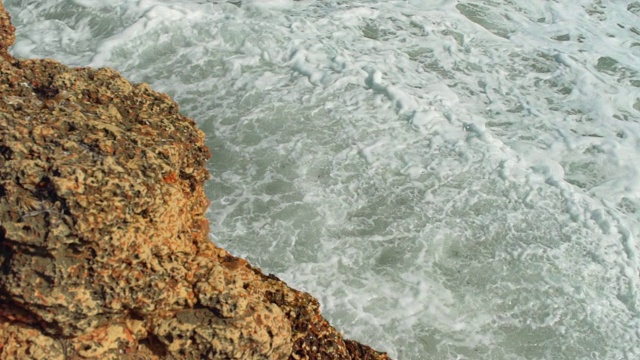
451 179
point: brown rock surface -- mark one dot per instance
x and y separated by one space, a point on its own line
7 31
104 250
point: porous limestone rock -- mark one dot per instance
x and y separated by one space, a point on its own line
104 250
7 31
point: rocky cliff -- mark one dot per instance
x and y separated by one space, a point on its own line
104 250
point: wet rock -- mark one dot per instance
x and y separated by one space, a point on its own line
104 250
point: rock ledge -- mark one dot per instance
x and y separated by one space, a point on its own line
104 250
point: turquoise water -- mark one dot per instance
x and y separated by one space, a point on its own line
451 179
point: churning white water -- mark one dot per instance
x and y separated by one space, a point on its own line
451 179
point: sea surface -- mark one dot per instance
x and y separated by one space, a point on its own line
451 179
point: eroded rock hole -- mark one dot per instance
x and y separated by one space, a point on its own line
45 189
46 92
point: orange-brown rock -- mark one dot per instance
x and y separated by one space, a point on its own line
104 250
7 31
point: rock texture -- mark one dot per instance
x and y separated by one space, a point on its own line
104 250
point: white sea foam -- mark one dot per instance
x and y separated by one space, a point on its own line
452 179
